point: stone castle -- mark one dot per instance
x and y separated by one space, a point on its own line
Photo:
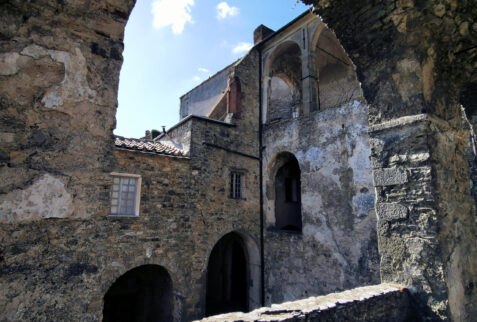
335 156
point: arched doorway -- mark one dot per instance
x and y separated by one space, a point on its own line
141 294
227 277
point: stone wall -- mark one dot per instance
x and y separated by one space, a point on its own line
60 251
200 214
59 73
377 303
185 209
414 59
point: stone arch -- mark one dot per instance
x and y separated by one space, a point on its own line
316 34
143 293
284 187
252 274
337 82
283 71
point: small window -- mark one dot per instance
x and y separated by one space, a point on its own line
125 194
235 185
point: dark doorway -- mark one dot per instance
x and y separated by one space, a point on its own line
142 294
227 277
288 196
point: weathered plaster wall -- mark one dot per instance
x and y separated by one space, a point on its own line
59 72
61 269
337 248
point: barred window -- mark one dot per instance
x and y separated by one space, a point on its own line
125 193
235 185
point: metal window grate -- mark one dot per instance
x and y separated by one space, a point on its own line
236 185
123 196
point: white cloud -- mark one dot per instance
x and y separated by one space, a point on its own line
196 78
174 13
242 47
224 10
203 70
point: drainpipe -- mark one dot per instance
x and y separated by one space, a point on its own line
260 147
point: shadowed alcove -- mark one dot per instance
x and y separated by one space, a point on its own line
337 80
287 193
141 294
227 277
285 88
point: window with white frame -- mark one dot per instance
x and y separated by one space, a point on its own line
235 185
125 194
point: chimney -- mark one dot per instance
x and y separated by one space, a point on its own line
260 33
163 129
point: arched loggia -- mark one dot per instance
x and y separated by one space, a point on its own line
337 83
284 82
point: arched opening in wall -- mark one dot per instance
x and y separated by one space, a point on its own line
285 86
468 100
141 294
337 82
287 186
227 276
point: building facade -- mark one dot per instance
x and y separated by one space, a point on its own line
269 189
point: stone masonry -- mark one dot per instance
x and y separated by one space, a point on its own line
385 79
414 59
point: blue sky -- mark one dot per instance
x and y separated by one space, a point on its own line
173 45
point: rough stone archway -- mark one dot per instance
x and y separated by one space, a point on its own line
226 289
235 255
144 293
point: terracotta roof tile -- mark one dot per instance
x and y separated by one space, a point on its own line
147 146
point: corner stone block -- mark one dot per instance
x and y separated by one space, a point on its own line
390 211
389 176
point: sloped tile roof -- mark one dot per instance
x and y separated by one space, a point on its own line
147 146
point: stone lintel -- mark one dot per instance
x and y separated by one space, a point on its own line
410 120
399 122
